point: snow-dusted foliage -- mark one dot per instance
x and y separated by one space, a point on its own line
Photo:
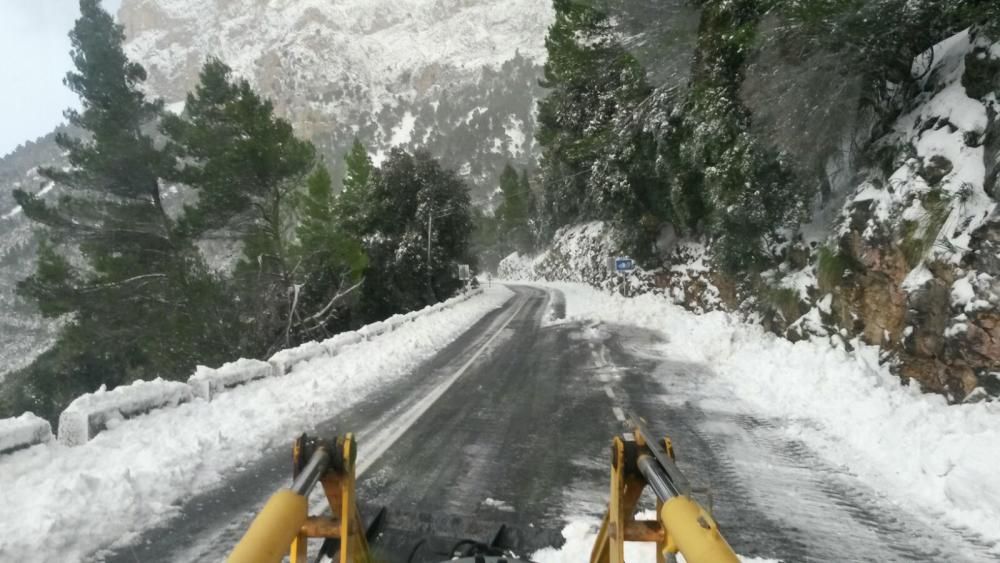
23 431
938 192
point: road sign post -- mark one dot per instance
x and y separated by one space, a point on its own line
621 265
624 265
464 274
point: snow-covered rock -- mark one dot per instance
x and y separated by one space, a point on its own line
353 44
92 413
578 253
23 431
919 229
208 382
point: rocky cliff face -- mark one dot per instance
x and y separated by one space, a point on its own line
458 77
918 236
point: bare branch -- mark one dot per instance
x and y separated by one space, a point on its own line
324 315
121 283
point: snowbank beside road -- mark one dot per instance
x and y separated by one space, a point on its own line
60 503
937 458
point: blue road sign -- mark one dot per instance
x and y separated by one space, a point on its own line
624 264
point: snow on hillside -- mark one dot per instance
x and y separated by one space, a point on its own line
130 477
456 77
939 129
365 53
935 458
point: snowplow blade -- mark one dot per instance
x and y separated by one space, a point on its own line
410 536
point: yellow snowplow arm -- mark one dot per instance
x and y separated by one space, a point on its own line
637 461
682 525
269 537
283 526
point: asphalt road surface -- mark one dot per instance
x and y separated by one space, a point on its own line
511 424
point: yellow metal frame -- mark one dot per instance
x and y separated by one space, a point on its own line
682 525
284 526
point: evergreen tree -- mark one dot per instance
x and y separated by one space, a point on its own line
484 242
244 162
351 206
408 194
137 293
724 182
330 264
247 167
317 209
512 213
592 79
533 212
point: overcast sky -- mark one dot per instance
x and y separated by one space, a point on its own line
34 57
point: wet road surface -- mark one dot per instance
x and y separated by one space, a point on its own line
511 424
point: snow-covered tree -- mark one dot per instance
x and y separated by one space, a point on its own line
411 197
129 279
592 80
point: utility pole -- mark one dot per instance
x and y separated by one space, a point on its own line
430 233
430 279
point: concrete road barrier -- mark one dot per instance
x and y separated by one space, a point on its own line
23 431
208 382
93 413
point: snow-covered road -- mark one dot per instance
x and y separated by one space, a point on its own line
812 453
68 503
501 411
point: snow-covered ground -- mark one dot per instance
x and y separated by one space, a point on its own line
931 458
63 503
580 538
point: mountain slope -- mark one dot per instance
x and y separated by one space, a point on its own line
457 77
390 72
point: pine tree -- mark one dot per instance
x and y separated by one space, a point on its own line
244 162
247 167
317 209
534 220
512 213
330 263
351 206
592 80
137 293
